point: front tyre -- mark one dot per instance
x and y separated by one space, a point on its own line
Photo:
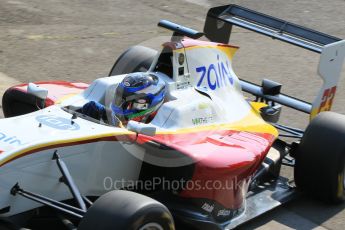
320 158
121 209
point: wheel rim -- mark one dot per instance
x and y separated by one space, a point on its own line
151 226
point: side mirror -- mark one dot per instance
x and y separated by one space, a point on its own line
270 87
141 128
37 91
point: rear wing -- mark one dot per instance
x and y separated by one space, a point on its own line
218 26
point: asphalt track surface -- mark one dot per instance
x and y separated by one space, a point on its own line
80 40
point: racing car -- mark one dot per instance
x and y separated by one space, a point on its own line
60 168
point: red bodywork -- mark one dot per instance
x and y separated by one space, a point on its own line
56 89
224 161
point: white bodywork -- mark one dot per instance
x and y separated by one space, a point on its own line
330 67
90 158
89 163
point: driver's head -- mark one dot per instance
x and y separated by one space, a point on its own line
138 97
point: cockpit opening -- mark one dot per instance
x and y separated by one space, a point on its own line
164 63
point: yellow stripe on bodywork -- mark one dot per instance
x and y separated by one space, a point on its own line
228 50
67 141
65 97
251 123
257 106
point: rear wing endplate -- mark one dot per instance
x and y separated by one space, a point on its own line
218 28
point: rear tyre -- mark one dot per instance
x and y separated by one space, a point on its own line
16 103
320 158
126 210
135 59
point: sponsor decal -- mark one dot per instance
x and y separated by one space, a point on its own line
181 58
215 75
182 85
202 120
56 122
10 140
207 207
224 212
327 99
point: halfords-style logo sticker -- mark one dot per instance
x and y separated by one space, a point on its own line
57 122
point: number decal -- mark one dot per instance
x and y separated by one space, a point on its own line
327 99
210 84
201 69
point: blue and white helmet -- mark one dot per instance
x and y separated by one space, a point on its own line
138 96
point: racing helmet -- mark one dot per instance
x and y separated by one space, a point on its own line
138 97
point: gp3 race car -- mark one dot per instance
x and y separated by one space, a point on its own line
209 159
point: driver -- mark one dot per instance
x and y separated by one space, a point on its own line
137 97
